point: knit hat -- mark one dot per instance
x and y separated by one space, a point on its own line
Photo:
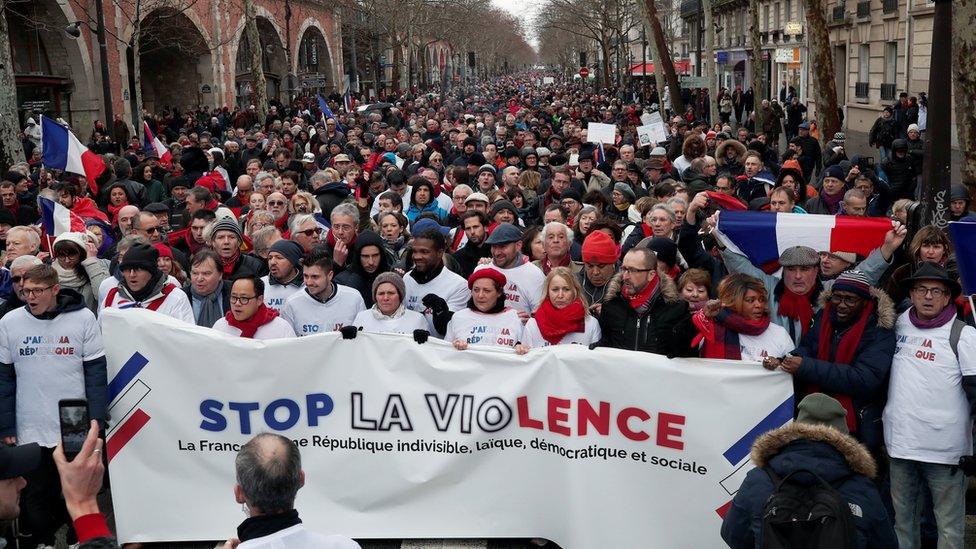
502 205
164 250
487 168
854 282
625 190
912 127
956 192
542 151
226 224
391 278
140 256
820 409
571 194
799 256
290 250
840 136
599 248
665 249
835 171
489 273
77 239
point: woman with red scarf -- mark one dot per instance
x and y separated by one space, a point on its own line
562 318
117 199
248 316
737 326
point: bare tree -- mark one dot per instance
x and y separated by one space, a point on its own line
758 74
709 58
598 20
256 58
964 88
11 149
824 85
664 56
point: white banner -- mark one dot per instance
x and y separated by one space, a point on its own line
601 448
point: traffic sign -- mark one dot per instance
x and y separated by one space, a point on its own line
584 72
694 82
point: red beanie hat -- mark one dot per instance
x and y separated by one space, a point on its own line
490 273
164 250
598 247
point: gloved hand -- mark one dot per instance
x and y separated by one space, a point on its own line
421 336
435 303
349 332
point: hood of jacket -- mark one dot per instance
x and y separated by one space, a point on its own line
336 187
721 151
369 238
818 448
669 290
884 310
68 300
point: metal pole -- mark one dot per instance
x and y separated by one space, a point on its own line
103 54
937 143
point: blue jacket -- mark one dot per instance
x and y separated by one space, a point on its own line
835 457
866 379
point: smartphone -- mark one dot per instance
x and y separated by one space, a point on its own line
75 422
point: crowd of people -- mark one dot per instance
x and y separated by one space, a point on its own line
487 218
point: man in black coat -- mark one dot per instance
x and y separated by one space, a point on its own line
475 226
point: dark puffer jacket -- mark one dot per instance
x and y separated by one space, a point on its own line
866 379
835 457
666 329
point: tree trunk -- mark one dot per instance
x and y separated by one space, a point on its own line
397 61
709 58
759 86
604 64
257 60
824 84
137 72
964 74
664 57
11 149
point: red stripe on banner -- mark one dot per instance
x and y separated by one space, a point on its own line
724 510
860 235
126 431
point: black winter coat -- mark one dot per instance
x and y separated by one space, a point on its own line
666 329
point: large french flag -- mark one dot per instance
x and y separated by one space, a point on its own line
56 219
763 236
62 151
155 147
963 236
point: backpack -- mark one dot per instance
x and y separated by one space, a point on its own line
955 332
797 516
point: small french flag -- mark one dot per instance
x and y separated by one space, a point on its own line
62 151
155 147
599 157
56 219
763 236
348 103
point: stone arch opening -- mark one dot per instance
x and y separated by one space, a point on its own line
274 62
314 63
175 61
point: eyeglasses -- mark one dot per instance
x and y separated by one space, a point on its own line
276 203
31 292
151 230
67 254
242 299
311 232
342 227
629 270
850 301
923 291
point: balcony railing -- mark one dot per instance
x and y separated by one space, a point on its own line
864 9
888 92
889 6
839 13
861 90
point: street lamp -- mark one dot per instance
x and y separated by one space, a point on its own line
73 30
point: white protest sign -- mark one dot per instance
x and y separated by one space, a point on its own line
601 133
658 134
644 136
548 80
646 119
588 448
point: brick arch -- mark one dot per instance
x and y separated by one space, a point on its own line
84 92
261 12
312 22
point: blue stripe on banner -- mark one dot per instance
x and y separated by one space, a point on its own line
126 374
776 418
964 239
753 232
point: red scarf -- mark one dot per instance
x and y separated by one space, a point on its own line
546 266
641 300
230 263
555 323
844 355
250 326
331 241
721 333
113 211
797 307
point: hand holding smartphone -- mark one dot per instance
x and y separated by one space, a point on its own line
75 422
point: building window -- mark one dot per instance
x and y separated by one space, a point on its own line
776 17
863 71
789 10
890 71
766 20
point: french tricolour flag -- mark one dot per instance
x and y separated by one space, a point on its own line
155 147
62 151
57 219
762 236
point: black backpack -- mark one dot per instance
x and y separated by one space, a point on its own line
797 516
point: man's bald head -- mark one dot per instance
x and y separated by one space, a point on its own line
269 473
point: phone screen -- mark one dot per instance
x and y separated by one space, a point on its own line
74 425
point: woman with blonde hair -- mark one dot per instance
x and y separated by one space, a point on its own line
736 326
303 202
563 317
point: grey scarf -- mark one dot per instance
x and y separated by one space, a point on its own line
210 307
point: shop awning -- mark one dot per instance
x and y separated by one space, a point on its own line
647 69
